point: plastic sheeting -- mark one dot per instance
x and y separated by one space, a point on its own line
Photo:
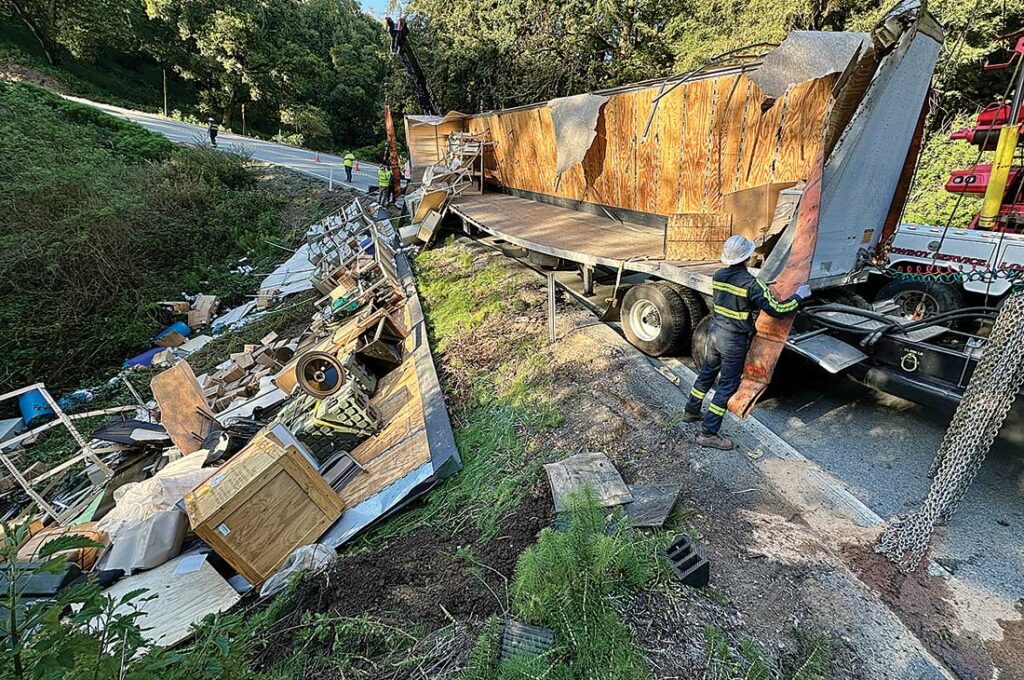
807 55
575 123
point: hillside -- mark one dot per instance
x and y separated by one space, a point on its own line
100 219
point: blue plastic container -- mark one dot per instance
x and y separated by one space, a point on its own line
145 359
34 409
177 326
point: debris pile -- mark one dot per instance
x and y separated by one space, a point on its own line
236 472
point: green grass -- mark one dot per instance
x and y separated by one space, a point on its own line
742 658
99 220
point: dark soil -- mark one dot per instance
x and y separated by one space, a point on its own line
419 577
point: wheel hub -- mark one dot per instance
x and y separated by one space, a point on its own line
645 320
916 305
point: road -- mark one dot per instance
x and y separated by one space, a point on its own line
880 447
328 168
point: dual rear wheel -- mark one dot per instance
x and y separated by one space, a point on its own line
659 318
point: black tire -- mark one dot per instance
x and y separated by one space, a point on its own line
845 296
695 307
655 320
917 300
698 343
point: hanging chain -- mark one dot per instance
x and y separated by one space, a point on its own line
990 393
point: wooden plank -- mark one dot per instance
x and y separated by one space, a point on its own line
545 146
625 139
184 412
729 109
181 599
670 125
695 146
594 470
647 153
562 228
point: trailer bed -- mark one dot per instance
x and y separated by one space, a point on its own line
580 237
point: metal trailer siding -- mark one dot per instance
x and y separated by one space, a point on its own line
863 171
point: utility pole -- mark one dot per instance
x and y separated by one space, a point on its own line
243 119
164 69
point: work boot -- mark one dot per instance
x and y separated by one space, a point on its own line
692 417
714 441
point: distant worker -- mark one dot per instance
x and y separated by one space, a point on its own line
384 183
738 295
213 131
349 162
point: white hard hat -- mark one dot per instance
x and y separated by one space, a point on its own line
737 249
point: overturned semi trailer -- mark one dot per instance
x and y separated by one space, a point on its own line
806 148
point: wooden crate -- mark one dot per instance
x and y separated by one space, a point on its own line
696 236
261 505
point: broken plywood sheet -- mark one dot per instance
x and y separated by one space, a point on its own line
183 597
183 409
652 504
572 474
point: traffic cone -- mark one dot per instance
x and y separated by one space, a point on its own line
317 159
356 166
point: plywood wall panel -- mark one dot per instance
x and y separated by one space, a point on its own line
647 153
729 132
709 137
670 123
625 136
699 99
802 129
760 155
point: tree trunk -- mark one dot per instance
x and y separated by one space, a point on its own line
48 45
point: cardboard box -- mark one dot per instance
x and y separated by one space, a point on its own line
172 339
261 505
176 306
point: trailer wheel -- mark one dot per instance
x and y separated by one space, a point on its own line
695 306
917 300
655 320
699 341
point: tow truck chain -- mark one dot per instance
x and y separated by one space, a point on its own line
990 393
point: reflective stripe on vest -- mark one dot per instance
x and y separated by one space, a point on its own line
729 288
383 177
775 304
731 313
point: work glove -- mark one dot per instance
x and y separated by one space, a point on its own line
803 292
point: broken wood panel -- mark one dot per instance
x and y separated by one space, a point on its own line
528 128
515 150
625 141
647 153
184 412
593 167
607 186
546 147
671 123
802 129
695 145
726 137
753 123
760 152
181 599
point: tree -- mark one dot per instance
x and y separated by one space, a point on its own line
82 27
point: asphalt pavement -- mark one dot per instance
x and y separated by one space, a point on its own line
328 168
879 446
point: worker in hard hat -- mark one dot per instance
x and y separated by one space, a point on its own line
738 297
349 161
213 129
384 183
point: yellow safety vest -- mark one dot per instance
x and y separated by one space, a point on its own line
383 176
349 160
